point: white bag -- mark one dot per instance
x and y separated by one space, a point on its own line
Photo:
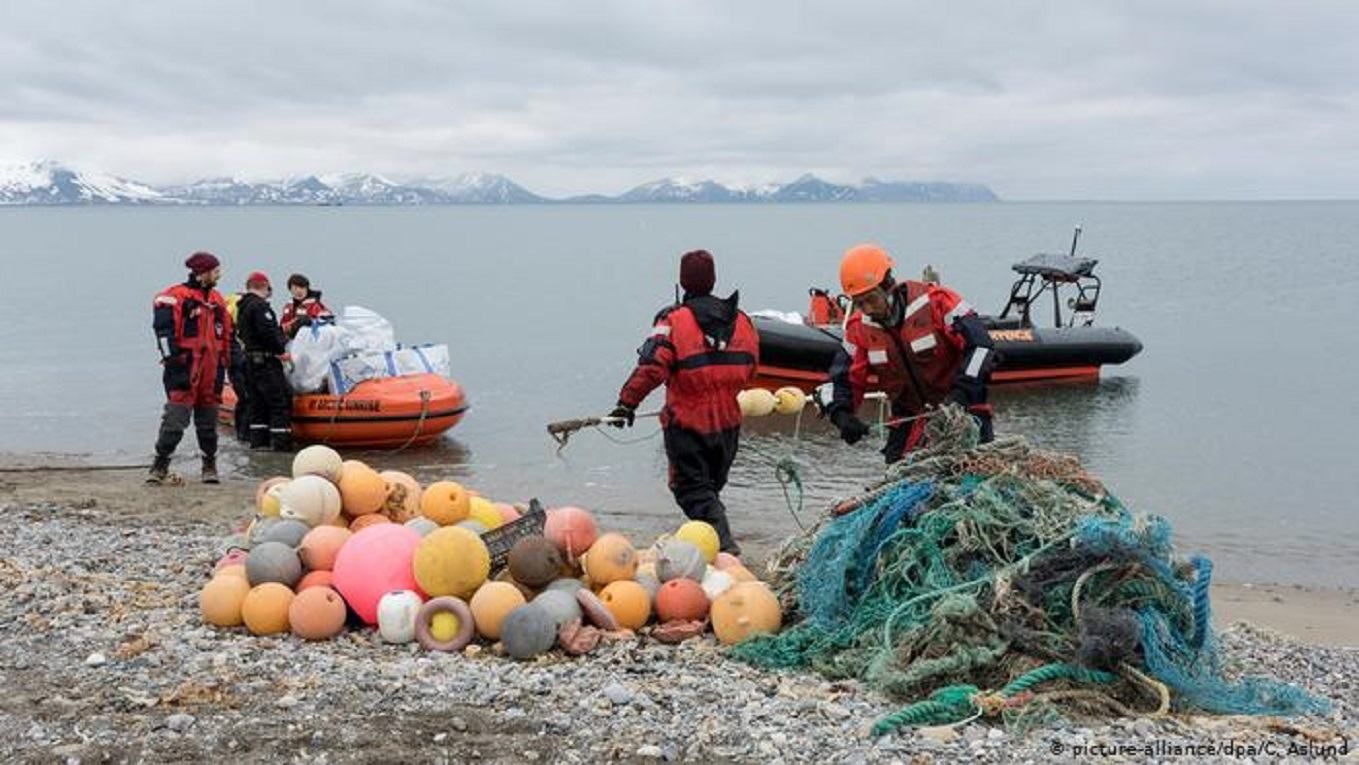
368 331
348 371
312 351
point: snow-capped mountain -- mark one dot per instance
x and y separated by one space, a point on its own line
807 188
481 188
52 183
681 190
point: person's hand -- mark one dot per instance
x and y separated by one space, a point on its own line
852 429
286 358
623 415
302 321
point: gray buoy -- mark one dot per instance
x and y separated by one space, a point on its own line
273 562
288 531
528 631
561 606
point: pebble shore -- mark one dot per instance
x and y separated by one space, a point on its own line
103 657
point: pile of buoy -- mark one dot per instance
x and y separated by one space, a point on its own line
341 544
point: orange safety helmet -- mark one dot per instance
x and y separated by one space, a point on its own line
863 268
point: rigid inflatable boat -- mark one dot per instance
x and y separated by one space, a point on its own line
387 412
798 351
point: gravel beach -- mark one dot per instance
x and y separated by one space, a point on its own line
103 658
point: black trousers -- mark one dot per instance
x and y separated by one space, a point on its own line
271 402
240 383
699 463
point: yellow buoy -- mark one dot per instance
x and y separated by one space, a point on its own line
443 626
484 512
756 402
701 535
790 400
451 561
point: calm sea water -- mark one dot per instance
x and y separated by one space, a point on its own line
1235 422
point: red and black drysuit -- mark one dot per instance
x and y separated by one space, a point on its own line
704 351
301 313
194 334
270 397
934 350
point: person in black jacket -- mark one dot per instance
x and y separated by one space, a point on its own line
265 349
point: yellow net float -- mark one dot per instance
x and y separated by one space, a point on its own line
701 535
756 402
789 400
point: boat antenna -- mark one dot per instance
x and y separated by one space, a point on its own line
1075 237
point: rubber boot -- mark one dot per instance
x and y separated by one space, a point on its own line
259 438
210 470
160 471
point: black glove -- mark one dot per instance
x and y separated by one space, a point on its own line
852 429
302 321
623 415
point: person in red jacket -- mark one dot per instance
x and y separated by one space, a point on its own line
920 343
704 350
194 335
305 308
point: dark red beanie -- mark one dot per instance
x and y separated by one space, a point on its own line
257 277
697 273
202 262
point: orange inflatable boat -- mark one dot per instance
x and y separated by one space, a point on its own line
389 412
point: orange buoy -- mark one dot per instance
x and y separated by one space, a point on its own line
681 600
628 601
317 614
265 608
364 521
610 559
740 573
491 604
745 610
316 579
403 496
572 529
232 569
362 490
320 546
445 503
221 599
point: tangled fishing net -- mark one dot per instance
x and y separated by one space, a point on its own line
1005 580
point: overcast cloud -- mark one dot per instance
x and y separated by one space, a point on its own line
1112 100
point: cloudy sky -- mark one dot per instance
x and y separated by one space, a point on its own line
1040 100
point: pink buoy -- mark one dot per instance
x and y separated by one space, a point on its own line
508 512
233 556
374 562
572 529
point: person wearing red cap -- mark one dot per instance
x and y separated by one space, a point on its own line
704 350
265 344
194 335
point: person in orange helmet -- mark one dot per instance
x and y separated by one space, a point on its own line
920 343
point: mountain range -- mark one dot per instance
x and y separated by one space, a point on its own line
52 183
